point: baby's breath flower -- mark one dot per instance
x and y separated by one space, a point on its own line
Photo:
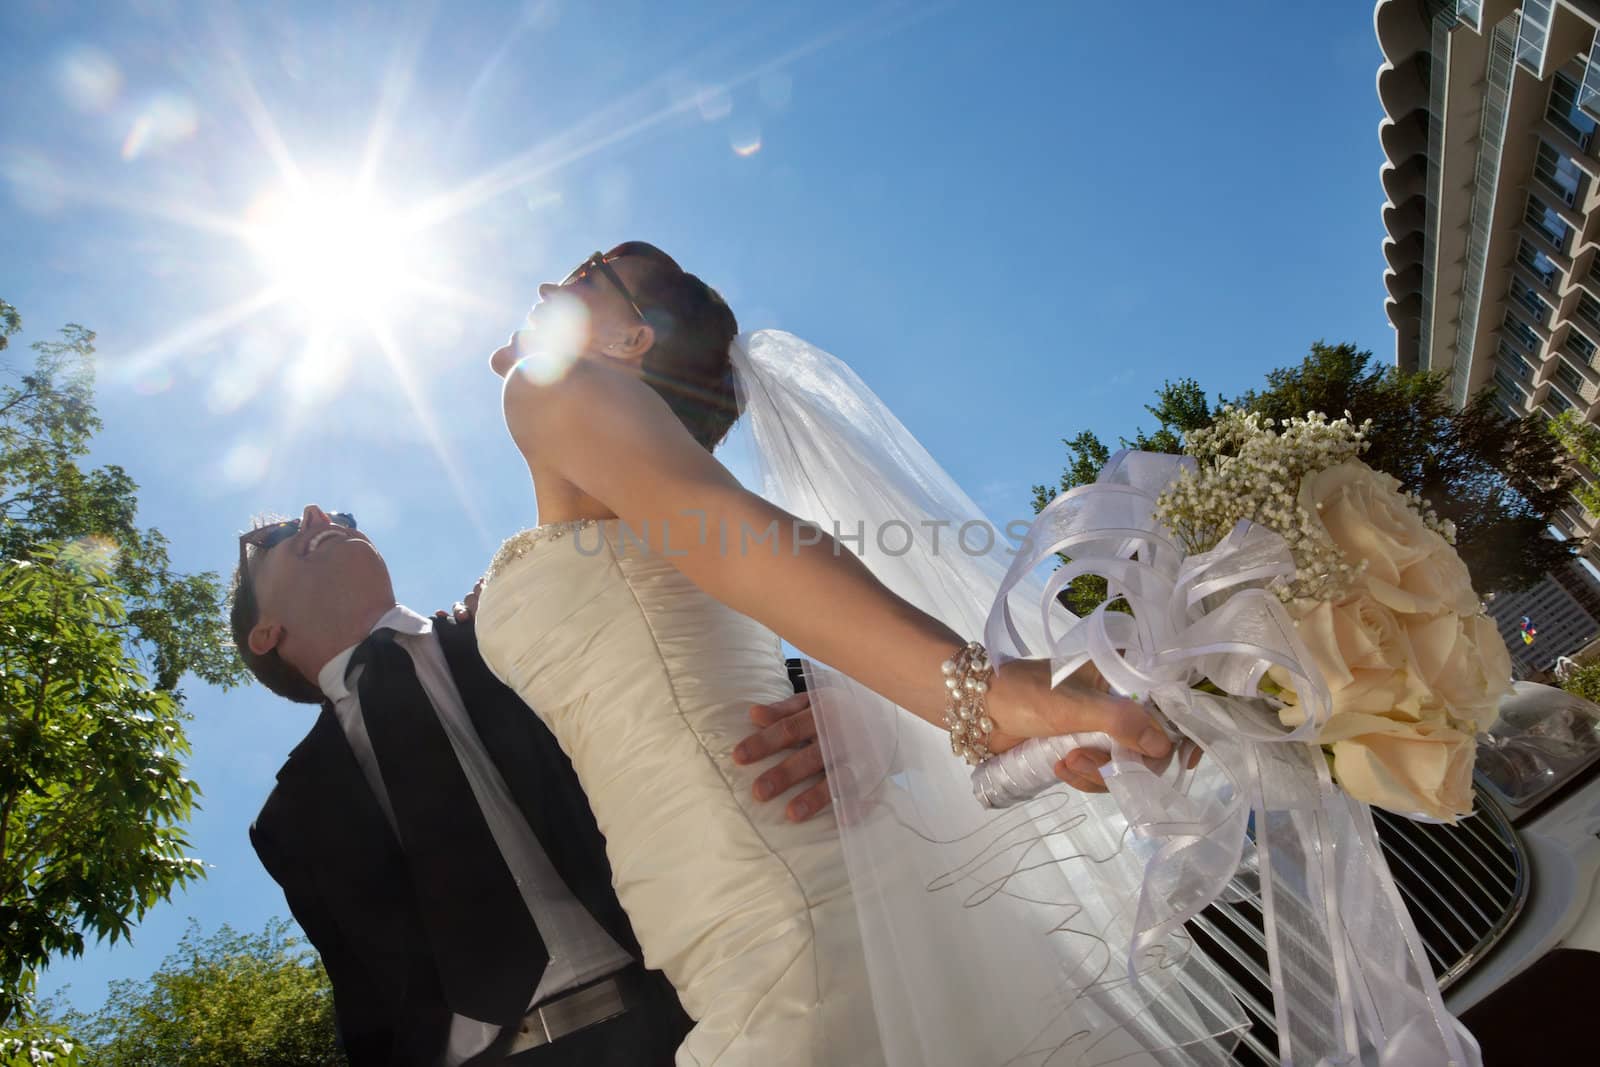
1250 468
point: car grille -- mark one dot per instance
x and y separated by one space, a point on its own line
1463 885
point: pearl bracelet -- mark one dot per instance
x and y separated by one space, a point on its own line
966 677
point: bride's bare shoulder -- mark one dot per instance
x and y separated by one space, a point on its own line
535 406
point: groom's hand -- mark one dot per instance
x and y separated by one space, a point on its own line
787 724
464 609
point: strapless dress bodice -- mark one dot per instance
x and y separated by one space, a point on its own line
646 682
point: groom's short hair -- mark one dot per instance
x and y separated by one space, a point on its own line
269 668
689 364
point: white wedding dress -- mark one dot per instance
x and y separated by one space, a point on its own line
647 683
959 937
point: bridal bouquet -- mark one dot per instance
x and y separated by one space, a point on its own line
1310 626
1381 601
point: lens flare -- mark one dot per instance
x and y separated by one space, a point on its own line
35 181
89 79
167 120
245 464
715 103
554 339
92 550
153 382
745 141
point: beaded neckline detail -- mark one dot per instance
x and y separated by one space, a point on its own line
520 544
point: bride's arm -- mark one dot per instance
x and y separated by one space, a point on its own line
614 438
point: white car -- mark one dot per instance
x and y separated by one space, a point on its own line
1491 895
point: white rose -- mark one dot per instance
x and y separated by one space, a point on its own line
1370 521
1437 582
1466 664
1365 658
1421 768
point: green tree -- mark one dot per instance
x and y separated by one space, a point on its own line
228 1000
96 630
1584 682
1180 406
1500 480
39 1044
1581 442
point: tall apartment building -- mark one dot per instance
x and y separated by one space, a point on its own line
1493 213
1492 170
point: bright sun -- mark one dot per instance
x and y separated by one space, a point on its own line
340 254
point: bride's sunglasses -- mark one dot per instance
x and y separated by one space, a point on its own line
597 264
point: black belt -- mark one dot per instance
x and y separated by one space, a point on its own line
580 1008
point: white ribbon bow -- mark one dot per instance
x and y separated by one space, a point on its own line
1348 970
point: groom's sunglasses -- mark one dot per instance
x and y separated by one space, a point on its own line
597 264
265 537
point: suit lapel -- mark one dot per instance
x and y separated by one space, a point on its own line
321 776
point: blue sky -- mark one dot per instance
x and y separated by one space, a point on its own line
1014 220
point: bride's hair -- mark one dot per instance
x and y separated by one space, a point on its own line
689 363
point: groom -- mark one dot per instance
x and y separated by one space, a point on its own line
429 834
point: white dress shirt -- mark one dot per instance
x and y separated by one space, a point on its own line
580 950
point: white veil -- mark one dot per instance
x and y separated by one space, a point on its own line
992 937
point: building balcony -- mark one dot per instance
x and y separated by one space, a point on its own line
1575 343
1401 31
1569 397
1551 233
1551 197
1405 252
1533 35
1402 282
1523 276
1404 219
1403 180
1570 141
1581 282
1401 87
1581 396
1406 136
1405 313
1572 520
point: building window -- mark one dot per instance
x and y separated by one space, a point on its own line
1521 333
1557 403
1559 173
1588 310
1509 390
1540 264
1531 301
1533 33
1547 223
1565 115
1570 378
1470 12
1580 346
1514 362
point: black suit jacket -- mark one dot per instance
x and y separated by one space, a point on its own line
323 837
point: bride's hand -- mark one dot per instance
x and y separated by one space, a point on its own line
1023 704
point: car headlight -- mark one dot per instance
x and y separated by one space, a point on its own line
1544 738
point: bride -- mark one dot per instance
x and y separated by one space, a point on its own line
645 613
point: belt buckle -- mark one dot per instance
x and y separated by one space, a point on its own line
570 1013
